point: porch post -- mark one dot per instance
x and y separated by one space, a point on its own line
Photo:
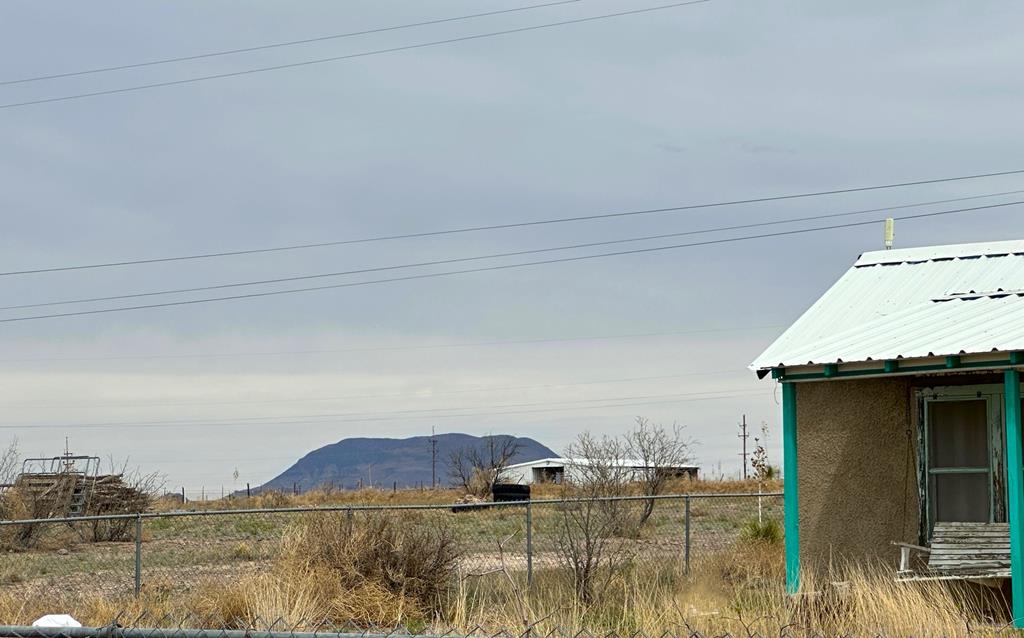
791 506
1015 492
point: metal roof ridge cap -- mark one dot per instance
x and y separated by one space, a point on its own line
922 254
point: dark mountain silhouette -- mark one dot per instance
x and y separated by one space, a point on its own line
387 461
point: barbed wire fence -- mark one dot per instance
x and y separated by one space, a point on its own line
119 555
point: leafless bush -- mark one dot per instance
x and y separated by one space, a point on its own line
476 468
587 527
10 464
122 490
643 461
659 453
591 529
587 546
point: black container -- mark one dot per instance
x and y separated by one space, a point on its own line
505 492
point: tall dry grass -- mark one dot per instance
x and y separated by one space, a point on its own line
740 593
400 570
390 569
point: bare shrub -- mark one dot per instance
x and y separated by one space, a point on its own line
122 490
645 461
10 464
476 468
18 504
592 529
658 451
588 525
587 546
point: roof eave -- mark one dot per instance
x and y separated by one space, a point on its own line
943 364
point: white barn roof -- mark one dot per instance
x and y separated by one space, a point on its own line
916 302
561 462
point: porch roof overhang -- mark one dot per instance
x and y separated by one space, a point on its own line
979 330
907 311
934 365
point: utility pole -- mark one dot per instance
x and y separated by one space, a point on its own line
433 457
743 436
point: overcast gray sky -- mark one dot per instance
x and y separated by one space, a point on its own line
716 101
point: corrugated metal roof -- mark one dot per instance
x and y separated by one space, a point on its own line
911 303
561 462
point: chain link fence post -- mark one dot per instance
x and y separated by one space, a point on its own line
138 555
686 541
529 544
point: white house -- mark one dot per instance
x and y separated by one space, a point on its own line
557 470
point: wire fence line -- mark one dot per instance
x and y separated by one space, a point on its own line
126 553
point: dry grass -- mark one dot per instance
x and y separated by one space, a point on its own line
741 593
374 496
317 498
388 570
395 568
738 592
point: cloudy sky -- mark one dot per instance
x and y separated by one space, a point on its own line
715 101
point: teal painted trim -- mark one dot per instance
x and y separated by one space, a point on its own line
891 365
1016 358
952 361
778 373
809 376
830 370
1015 491
791 500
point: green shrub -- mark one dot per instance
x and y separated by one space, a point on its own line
769 531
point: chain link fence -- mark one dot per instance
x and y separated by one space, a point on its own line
180 550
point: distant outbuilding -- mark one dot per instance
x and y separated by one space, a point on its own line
557 470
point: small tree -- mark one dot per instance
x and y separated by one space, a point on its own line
597 466
475 468
589 523
660 452
763 472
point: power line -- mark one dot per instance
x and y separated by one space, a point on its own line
384 416
434 411
350 56
455 260
466 344
150 404
275 45
562 220
635 251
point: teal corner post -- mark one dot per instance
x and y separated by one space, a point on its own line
1015 489
791 498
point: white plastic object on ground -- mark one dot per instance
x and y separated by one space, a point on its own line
56 620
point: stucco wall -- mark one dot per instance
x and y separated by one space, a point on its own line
857 469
